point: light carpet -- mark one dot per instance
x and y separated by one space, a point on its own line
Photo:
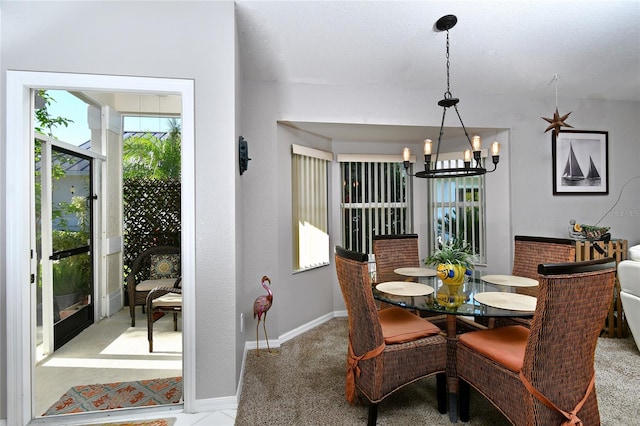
108 396
303 383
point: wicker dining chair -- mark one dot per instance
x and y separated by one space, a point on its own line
531 251
543 375
388 349
163 300
395 251
148 272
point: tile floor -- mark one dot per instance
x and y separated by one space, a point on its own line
112 351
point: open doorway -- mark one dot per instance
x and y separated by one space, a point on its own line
71 161
21 236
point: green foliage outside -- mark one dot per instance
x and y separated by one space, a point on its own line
71 274
148 156
451 228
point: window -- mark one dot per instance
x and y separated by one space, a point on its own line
309 205
457 209
375 199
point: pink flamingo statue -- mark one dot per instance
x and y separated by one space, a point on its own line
261 305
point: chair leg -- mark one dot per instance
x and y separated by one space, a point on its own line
175 321
150 329
132 312
441 391
463 395
373 414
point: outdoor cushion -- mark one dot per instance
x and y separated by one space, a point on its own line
168 300
148 285
634 253
399 326
504 345
164 266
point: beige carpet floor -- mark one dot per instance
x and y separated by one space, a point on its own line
302 383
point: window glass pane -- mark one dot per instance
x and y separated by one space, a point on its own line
310 215
374 201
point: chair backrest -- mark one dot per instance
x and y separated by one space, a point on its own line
530 251
573 302
395 251
353 276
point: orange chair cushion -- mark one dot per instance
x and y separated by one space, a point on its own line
399 326
504 345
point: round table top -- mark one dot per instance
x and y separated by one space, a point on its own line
416 272
510 280
405 288
510 301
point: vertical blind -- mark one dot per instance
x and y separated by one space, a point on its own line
309 205
458 209
375 201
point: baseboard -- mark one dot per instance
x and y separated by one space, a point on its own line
216 404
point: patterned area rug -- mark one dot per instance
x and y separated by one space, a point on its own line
155 422
118 395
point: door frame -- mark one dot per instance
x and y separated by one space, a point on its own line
19 183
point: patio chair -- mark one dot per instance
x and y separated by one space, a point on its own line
155 267
388 349
162 300
395 251
544 375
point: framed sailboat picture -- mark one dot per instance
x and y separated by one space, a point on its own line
580 162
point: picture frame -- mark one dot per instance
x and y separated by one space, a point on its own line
580 162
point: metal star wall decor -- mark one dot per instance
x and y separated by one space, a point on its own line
556 122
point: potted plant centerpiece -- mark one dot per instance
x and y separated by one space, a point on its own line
453 260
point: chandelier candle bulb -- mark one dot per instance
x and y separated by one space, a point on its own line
467 157
476 143
495 152
427 146
406 155
495 148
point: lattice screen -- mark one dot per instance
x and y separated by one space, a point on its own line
151 216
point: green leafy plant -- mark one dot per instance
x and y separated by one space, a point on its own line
151 157
453 251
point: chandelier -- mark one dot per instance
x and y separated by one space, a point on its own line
473 163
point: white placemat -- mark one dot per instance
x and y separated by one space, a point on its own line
405 288
510 280
509 301
416 272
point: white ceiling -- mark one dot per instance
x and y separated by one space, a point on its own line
497 47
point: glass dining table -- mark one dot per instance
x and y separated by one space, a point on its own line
482 298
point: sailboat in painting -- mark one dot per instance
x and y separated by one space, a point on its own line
593 172
572 170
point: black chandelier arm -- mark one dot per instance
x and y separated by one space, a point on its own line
463 126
